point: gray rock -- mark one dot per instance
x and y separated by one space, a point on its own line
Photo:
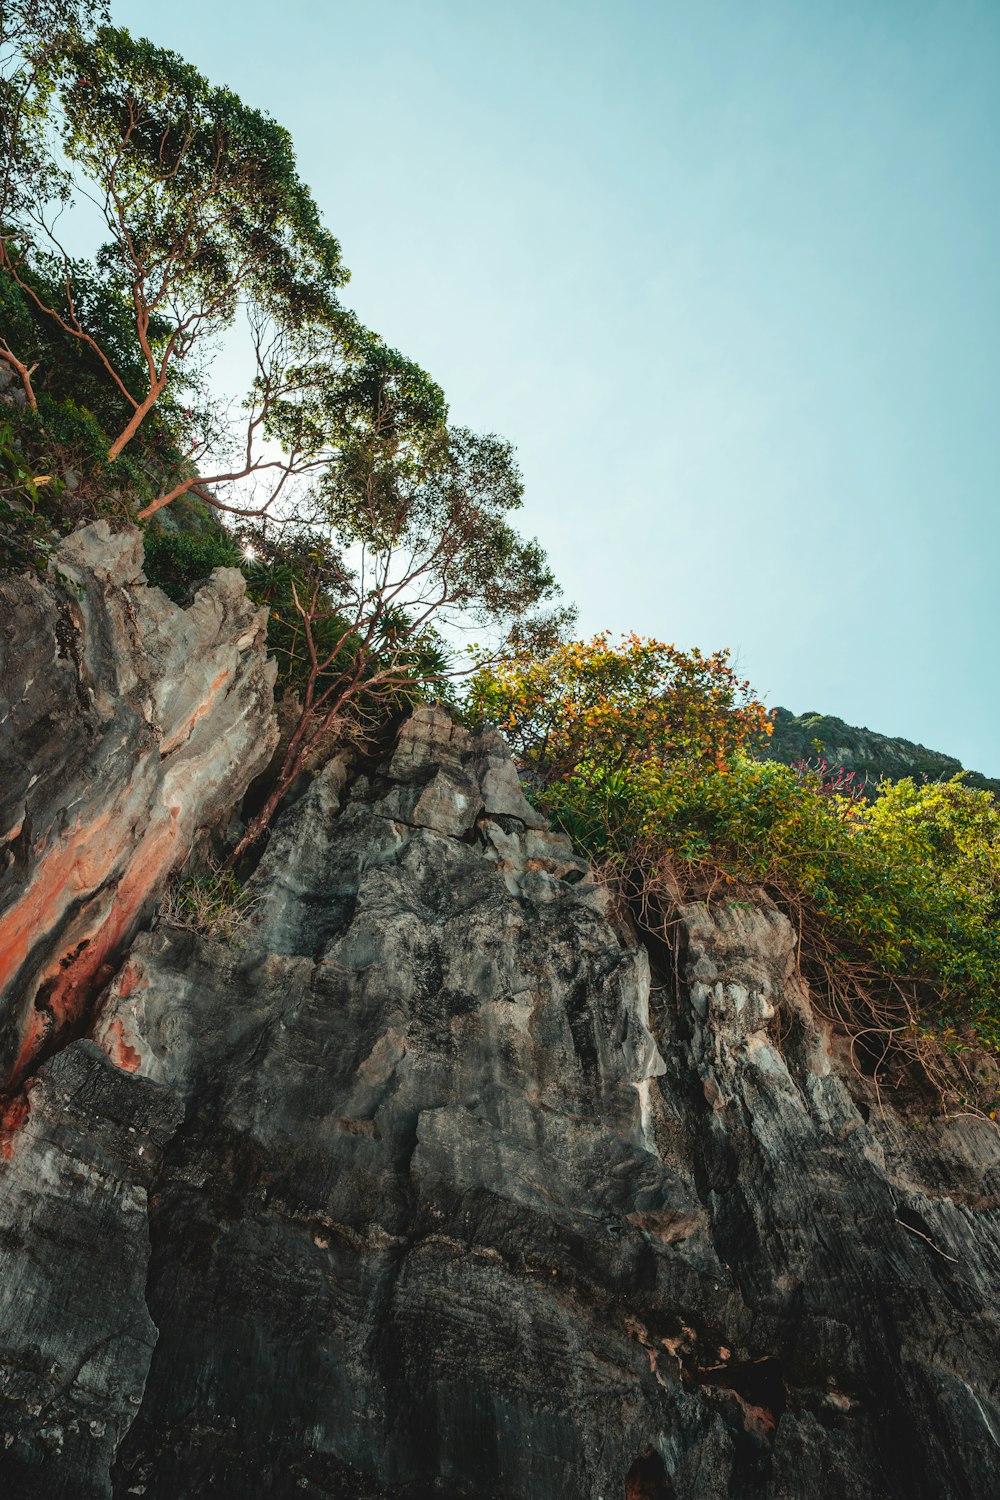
446 1201
76 1336
128 726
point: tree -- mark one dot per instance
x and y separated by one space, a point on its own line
403 521
588 707
32 34
421 510
206 219
281 440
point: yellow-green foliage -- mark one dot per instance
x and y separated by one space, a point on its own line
595 706
910 881
906 886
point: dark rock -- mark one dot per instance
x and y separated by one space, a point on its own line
436 1209
75 1335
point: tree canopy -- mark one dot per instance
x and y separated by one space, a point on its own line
594 706
204 216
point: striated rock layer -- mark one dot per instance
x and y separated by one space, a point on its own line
127 727
409 1194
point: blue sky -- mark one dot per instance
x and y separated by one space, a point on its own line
725 273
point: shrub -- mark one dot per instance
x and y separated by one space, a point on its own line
896 899
25 534
589 707
174 560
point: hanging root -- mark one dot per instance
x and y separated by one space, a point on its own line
900 1035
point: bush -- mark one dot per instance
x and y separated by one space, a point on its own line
174 560
896 899
25 534
589 707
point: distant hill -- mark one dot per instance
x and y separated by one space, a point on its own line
872 756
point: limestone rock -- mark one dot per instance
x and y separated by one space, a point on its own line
74 1249
127 726
444 1200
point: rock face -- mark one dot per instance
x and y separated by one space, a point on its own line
410 1193
127 726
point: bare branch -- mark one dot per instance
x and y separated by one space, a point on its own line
22 371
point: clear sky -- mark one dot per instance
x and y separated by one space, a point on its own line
725 272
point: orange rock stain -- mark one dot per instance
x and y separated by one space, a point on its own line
120 1051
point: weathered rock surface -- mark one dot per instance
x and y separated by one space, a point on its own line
127 726
75 1335
434 1206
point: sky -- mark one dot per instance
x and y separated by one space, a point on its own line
724 272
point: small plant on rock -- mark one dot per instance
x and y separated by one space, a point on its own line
216 905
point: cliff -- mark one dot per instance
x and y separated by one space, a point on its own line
871 756
427 1184
129 728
